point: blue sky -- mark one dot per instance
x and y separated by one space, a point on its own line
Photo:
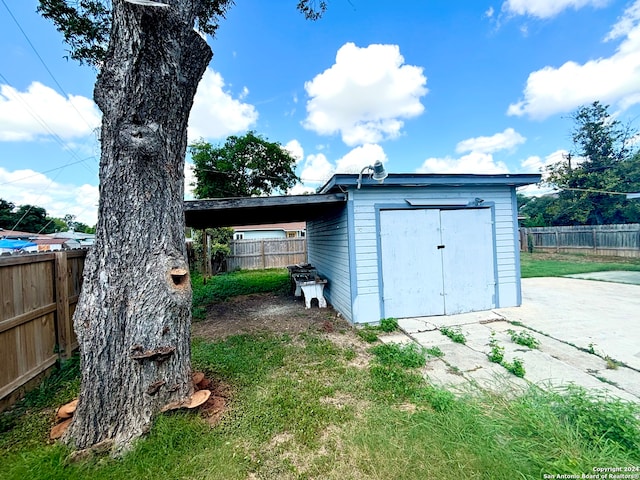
425 86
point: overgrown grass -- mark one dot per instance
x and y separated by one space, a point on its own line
524 338
496 355
300 408
222 287
455 334
557 265
298 411
369 333
407 356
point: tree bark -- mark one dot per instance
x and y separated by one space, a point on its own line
133 317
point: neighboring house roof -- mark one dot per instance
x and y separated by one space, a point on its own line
287 227
16 234
73 235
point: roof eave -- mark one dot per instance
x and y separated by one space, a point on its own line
431 179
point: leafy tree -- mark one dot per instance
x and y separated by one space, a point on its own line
540 211
133 317
33 219
69 222
245 166
59 225
26 218
7 217
602 161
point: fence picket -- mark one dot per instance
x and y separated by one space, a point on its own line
611 240
38 293
266 253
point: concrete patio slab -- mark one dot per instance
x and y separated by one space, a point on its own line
578 323
601 316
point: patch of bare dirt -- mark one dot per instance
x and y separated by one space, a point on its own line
266 312
213 409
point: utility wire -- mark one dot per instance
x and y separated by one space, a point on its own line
48 171
55 80
44 124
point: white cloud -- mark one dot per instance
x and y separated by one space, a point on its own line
507 140
535 164
613 80
360 157
189 178
539 165
474 162
40 111
365 95
626 23
300 189
479 155
27 187
547 8
215 113
317 170
295 150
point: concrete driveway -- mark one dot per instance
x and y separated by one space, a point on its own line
589 335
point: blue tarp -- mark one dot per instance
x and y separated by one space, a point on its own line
15 244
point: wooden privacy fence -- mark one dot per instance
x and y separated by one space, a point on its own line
612 240
266 253
38 295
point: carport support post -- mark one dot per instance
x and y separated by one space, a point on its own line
206 254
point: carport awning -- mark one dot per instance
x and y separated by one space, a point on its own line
228 212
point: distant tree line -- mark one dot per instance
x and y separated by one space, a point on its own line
33 219
593 178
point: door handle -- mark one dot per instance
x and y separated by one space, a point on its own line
440 247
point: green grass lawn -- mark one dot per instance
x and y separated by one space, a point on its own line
556 265
331 406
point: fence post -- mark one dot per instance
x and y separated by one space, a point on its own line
264 264
595 245
557 244
63 320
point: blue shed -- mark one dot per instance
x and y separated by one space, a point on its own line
419 245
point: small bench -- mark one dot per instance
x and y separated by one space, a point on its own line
313 289
311 286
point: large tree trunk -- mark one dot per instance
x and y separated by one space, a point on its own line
134 314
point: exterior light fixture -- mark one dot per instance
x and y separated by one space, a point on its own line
377 173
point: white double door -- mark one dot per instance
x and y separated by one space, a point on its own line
437 262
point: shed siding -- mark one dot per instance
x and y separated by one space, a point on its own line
328 251
367 295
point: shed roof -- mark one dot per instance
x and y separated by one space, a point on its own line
430 179
224 212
